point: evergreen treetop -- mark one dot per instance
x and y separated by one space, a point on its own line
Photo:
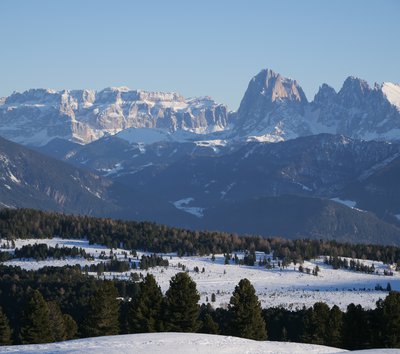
181 311
247 320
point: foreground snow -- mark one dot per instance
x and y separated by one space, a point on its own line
165 343
178 343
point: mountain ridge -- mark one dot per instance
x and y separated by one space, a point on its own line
37 116
273 108
356 110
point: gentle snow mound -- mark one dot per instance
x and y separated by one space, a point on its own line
166 343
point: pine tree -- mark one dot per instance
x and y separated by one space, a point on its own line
71 327
209 326
5 330
181 305
247 320
315 324
144 312
391 320
355 331
102 318
57 322
36 326
334 328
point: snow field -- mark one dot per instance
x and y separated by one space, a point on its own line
169 343
275 287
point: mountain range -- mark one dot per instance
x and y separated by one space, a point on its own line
274 108
280 165
37 116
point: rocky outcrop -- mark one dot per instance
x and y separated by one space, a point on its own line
37 116
275 108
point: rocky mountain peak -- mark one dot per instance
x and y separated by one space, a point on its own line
275 87
37 116
270 107
325 94
354 91
38 96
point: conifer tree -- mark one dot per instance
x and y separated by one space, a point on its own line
57 322
144 312
209 326
71 327
5 330
355 329
334 328
247 320
102 318
181 311
391 320
315 324
36 326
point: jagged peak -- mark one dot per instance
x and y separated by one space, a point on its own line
276 87
37 94
355 84
325 93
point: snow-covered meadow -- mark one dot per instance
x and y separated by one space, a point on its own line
178 343
286 287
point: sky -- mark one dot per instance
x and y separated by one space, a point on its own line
196 48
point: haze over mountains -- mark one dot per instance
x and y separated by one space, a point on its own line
277 166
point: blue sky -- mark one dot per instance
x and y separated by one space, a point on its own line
196 47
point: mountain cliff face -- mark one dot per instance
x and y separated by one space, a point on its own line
275 108
272 109
37 116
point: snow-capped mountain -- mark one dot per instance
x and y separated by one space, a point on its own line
274 108
37 116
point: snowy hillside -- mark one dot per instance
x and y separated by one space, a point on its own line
165 343
178 343
285 287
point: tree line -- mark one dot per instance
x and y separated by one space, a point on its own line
108 307
62 303
42 251
151 237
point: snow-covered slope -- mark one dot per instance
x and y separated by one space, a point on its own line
275 287
179 343
166 343
37 116
392 93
